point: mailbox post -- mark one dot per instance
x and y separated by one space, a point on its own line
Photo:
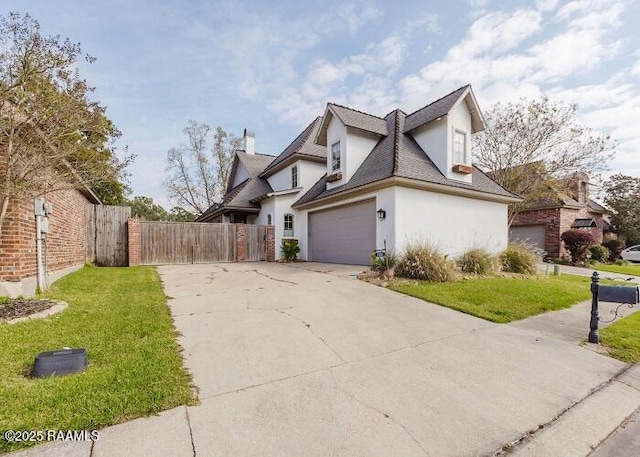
624 295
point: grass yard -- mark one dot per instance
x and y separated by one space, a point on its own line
502 299
631 269
622 338
135 367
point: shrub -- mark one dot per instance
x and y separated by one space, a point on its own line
599 253
622 262
615 248
518 259
289 250
425 262
477 261
387 262
577 243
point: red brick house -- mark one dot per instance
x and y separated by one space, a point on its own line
64 249
542 223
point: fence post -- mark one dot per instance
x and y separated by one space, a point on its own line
133 231
241 242
593 334
271 243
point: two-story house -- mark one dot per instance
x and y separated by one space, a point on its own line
352 183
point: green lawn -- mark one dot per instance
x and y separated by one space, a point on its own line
135 368
502 299
622 338
632 269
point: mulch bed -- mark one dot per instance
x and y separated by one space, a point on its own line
22 307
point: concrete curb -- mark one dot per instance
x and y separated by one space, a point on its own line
582 427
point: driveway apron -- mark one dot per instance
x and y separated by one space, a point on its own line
303 359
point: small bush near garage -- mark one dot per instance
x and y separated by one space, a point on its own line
289 250
518 259
599 253
477 261
615 248
426 263
577 243
385 263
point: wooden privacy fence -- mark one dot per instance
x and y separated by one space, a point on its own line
106 236
157 243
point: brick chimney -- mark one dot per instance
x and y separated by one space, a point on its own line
249 141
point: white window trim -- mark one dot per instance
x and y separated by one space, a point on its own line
464 146
285 231
294 174
339 167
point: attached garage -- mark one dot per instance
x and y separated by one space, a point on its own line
346 234
532 234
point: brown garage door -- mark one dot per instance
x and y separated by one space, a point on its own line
346 234
532 234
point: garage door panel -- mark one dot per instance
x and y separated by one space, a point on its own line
532 234
345 234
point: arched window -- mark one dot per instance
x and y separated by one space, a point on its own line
288 225
269 219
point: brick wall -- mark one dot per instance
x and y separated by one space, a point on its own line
133 232
65 243
556 222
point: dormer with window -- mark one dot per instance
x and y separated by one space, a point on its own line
446 136
349 137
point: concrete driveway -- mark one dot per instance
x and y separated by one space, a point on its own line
304 359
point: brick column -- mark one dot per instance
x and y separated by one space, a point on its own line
271 243
241 242
133 231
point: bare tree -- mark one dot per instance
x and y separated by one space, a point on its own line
198 172
52 137
530 147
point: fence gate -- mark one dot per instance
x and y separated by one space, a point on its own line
186 242
256 243
106 236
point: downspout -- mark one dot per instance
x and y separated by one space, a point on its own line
40 263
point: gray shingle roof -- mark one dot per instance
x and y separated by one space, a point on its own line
303 145
399 155
241 195
433 110
360 120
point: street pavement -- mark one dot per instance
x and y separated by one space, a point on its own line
303 359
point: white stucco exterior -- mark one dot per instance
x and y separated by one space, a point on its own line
355 146
452 223
436 139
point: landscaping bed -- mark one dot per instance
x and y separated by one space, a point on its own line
120 316
14 308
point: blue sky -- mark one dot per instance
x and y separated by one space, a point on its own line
273 65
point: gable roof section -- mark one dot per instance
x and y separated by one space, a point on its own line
303 147
399 155
253 163
351 118
442 106
239 197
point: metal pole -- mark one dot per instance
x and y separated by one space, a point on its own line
40 265
593 334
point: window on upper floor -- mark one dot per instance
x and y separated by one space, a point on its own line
294 176
269 219
582 192
335 156
459 147
288 225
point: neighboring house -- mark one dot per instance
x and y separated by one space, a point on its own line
352 183
64 248
543 222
